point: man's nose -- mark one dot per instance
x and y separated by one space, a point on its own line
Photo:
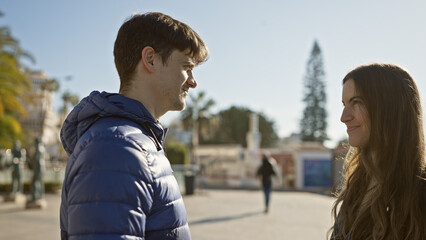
192 83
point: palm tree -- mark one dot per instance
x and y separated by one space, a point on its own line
14 86
195 116
197 112
68 99
50 85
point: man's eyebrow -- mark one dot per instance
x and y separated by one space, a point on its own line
189 63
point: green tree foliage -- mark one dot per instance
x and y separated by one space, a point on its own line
68 99
234 125
197 113
50 85
177 153
14 86
10 130
313 125
228 126
198 107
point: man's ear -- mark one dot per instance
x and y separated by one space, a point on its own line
148 56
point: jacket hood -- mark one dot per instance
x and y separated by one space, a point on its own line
100 105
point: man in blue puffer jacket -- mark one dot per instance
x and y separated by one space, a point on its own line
118 182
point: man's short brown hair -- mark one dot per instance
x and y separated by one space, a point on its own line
159 31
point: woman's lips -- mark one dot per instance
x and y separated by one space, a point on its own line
351 129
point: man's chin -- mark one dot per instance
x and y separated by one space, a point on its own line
178 107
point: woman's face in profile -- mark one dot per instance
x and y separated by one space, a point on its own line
355 116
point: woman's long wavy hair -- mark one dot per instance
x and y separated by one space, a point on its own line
383 196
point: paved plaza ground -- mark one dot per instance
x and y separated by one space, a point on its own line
212 215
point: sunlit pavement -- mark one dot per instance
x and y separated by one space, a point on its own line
212 214
224 214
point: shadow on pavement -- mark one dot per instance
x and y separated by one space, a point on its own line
12 209
223 219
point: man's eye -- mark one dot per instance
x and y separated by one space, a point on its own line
188 67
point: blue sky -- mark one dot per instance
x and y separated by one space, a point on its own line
259 49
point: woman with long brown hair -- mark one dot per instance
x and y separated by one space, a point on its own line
384 196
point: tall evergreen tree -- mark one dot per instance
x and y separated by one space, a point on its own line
313 125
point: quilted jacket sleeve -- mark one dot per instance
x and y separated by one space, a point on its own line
108 190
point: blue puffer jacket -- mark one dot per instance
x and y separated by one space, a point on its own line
118 182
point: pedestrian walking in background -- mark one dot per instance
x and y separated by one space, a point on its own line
265 172
384 196
119 183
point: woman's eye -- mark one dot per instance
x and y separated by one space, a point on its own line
356 101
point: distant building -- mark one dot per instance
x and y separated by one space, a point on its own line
285 163
302 165
298 165
41 120
221 165
313 166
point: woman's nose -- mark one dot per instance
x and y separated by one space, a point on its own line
346 115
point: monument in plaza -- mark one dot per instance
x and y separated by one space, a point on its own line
37 185
15 160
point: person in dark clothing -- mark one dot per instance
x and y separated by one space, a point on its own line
118 183
265 172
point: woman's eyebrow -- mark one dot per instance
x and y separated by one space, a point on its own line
351 99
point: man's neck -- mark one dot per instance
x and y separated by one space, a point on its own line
147 101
